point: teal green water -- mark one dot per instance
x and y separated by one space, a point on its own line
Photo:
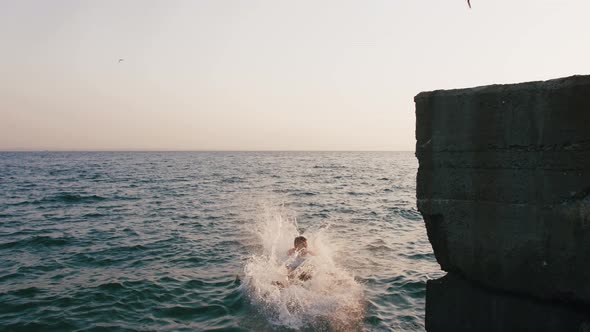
154 241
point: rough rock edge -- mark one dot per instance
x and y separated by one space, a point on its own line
553 84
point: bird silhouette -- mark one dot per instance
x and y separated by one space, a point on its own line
120 60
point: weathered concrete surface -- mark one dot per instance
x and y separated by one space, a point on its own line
457 305
504 185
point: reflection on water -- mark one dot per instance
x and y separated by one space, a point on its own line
154 241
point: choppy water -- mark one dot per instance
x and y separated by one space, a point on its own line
154 241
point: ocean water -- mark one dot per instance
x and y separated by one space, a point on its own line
197 241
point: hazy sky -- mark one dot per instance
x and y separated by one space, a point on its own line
262 75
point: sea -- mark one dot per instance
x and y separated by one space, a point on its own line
198 241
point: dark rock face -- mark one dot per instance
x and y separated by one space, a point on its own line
504 186
457 305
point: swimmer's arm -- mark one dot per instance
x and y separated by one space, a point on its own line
311 252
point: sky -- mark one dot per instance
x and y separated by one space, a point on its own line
262 75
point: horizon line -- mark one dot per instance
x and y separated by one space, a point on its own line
187 150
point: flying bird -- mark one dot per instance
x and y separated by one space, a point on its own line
120 60
469 3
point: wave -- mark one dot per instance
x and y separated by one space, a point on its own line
69 198
356 193
232 179
304 193
94 215
64 198
73 198
420 256
407 213
38 240
330 166
331 299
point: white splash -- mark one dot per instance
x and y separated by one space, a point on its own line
330 299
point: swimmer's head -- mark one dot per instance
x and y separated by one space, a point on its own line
300 242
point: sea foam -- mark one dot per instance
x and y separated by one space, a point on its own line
331 299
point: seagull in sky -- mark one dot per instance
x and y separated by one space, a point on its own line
120 60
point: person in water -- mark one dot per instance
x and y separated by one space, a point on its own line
298 255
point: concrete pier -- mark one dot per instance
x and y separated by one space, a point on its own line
504 189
